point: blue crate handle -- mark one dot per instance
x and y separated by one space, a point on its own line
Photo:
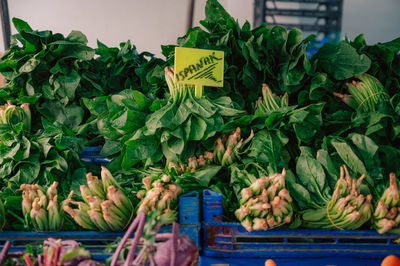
212 206
93 150
209 194
92 155
189 208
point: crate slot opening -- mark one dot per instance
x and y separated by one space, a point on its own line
362 241
311 240
259 240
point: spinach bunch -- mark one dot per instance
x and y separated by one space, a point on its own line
281 125
385 61
44 69
50 154
120 68
252 57
185 121
317 172
124 79
115 119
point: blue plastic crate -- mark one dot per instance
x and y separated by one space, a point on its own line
92 155
189 206
233 240
95 242
321 261
212 206
229 243
91 151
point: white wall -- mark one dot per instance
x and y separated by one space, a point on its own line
147 23
151 23
378 19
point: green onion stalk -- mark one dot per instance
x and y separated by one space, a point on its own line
177 91
269 102
104 205
347 209
386 217
160 193
365 93
266 204
194 163
12 115
41 208
229 149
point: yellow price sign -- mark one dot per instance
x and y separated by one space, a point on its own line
199 67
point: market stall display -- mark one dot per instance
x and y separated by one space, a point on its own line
288 141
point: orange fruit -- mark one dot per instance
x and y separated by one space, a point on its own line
270 263
390 260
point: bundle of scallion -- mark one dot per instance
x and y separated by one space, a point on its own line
160 193
347 209
194 163
40 207
105 207
387 210
366 92
266 204
270 102
228 148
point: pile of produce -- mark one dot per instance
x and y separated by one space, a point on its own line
160 194
105 207
387 210
280 140
54 252
40 207
347 208
266 204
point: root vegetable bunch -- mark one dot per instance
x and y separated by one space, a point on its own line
161 249
56 252
193 164
40 207
105 206
159 194
228 148
266 204
387 210
347 209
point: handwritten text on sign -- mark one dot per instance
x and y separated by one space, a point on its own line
199 67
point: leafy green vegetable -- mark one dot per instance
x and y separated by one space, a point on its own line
44 69
341 61
252 57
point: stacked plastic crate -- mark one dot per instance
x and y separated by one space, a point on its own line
96 242
320 17
231 244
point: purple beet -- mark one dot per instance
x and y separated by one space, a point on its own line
186 252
